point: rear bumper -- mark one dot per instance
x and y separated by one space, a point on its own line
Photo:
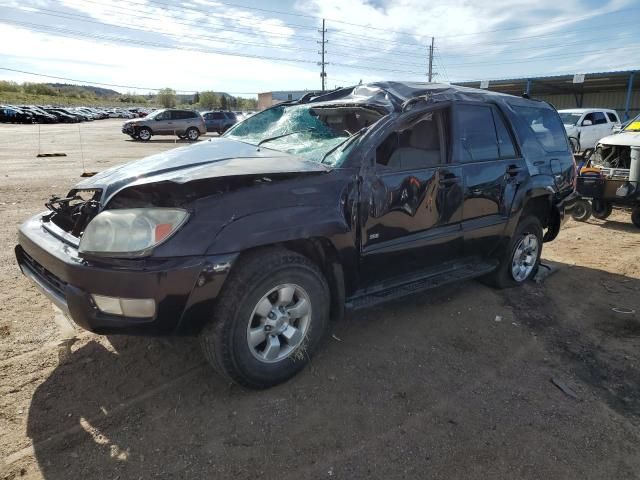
184 288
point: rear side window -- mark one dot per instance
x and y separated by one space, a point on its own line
546 126
477 133
183 114
613 117
216 116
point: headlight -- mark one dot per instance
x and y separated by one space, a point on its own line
130 232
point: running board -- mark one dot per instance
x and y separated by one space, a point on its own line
365 299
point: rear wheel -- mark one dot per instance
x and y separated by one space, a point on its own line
581 211
269 319
144 134
192 134
521 258
635 216
601 209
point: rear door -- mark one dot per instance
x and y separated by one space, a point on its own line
411 204
492 169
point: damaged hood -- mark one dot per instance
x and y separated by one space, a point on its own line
218 157
625 139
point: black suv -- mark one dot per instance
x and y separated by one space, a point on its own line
339 200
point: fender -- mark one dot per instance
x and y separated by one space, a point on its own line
538 187
289 224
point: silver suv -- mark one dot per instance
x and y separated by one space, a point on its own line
187 124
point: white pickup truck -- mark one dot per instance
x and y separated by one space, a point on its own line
589 125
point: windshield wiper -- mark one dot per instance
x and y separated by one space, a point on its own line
310 129
346 142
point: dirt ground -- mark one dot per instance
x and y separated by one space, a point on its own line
452 383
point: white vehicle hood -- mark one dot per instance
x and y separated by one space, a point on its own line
629 139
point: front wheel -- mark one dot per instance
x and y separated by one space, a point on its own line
521 258
144 134
581 211
270 318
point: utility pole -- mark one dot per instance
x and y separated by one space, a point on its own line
430 74
323 74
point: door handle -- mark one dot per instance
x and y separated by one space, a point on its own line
514 170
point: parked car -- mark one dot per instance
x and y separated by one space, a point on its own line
39 115
62 116
337 201
611 176
14 115
588 125
219 121
183 123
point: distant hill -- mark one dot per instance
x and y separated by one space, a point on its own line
97 91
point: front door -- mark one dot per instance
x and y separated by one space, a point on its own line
492 169
162 123
411 209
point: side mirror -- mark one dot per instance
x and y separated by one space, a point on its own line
586 123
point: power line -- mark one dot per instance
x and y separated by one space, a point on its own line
562 33
546 22
545 57
128 41
542 47
135 28
192 23
86 19
91 83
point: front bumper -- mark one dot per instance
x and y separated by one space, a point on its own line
129 129
183 288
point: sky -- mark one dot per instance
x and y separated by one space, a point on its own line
244 47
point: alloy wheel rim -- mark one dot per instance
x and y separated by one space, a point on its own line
279 323
192 134
524 258
144 134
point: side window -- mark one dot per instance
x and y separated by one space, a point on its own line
599 118
217 116
477 133
415 147
613 118
505 141
546 126
163 116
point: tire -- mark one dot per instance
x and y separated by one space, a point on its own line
601 209
144 134
528 235
635 216
267 274
581 211
575 144
192 134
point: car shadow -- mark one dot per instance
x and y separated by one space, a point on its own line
163 140
620 226
136 407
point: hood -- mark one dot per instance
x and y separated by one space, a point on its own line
217 157
629 139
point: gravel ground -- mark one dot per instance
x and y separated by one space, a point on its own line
467 382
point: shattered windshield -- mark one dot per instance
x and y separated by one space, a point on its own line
314 133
